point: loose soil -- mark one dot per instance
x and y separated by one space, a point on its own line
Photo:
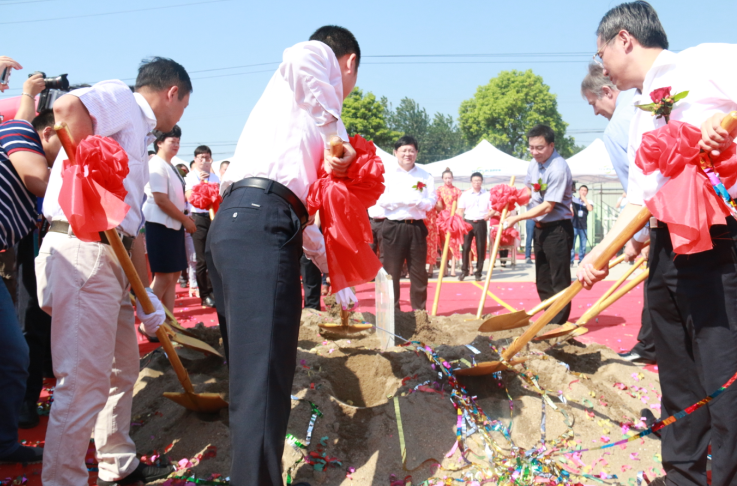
351 381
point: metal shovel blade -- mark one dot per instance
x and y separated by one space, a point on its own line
487 368
564 330
190 342
198 402
505 322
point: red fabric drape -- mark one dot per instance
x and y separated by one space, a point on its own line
504 195
509 235
206 195
687 202
457 227
343 202
92 191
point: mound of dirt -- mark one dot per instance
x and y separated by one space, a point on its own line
353 385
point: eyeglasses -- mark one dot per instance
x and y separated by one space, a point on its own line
599 56
204 158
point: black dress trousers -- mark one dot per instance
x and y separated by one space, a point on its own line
253 253
481 232
693 307
199 238
376 225
311 283
553 263
645 346
404 241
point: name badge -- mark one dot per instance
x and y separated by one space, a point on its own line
580 213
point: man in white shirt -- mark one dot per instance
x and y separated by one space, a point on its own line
409 194
84 288
201 172
474 206
257 239
691 297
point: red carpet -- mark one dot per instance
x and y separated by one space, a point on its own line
616 327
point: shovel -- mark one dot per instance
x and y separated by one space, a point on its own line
521 318
637 223
568 328
443 264
198 402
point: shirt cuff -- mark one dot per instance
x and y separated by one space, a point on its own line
327 131
643 235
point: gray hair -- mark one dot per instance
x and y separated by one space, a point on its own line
639 19
595 81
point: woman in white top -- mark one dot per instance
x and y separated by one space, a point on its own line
166 218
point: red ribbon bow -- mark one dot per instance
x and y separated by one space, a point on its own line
687 202
92 192
206 195
457 227
509 235
343 202
504 195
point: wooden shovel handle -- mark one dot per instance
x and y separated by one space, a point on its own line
336 147
116 244
637 223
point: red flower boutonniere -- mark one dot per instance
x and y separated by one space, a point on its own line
663 102
539 186
419 186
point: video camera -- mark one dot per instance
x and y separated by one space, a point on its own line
56 87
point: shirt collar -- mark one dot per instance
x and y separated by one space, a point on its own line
148 113
400 170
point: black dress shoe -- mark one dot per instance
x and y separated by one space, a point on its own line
633 357
141 474
28 417
462 276
23 455
650 420
478 278
208 302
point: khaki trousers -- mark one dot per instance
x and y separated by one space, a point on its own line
95 353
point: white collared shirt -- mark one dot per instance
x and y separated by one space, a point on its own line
287 131
163 178
376 212
128 119
707 72
401 200
192 179
475 205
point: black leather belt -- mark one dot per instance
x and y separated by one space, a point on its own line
63 227
539 224
406 221
272 186
473 220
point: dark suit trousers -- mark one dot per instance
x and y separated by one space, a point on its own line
693 307
311 283
480 231
645 346
406 242
253 253
553 263
199 238
376 225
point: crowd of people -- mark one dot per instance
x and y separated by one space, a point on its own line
71 305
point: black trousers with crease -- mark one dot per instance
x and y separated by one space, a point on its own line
253 253
199 238
481 232
553 263
402 242
311 283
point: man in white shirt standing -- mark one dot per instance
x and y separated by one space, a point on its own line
84 288
201 172
257 239
474 206
409 195
691 297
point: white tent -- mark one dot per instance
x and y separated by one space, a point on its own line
385 157
496 166
592 164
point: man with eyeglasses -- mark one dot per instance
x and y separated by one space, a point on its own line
201 172
550 181
691 296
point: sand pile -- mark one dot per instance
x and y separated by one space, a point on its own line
351 383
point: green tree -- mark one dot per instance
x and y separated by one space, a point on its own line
503 110
410 119
443 140
367 116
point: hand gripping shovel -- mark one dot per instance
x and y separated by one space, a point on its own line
607 253
521 318
198 402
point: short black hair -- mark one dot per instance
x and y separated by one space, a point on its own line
226 162
175 132
542 131
582 186
339 39
190 163
639 19
477 174
406 140
43 120
151 152
159 73
202 149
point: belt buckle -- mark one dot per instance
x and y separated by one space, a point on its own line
653 222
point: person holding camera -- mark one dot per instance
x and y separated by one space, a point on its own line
84 288
166 218
28 146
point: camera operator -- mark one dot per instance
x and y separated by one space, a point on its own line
27 150
6 64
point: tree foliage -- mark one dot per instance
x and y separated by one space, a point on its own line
366 115
503 110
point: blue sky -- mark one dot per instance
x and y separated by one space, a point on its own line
210 38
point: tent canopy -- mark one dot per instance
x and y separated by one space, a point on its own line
592 164
496 166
